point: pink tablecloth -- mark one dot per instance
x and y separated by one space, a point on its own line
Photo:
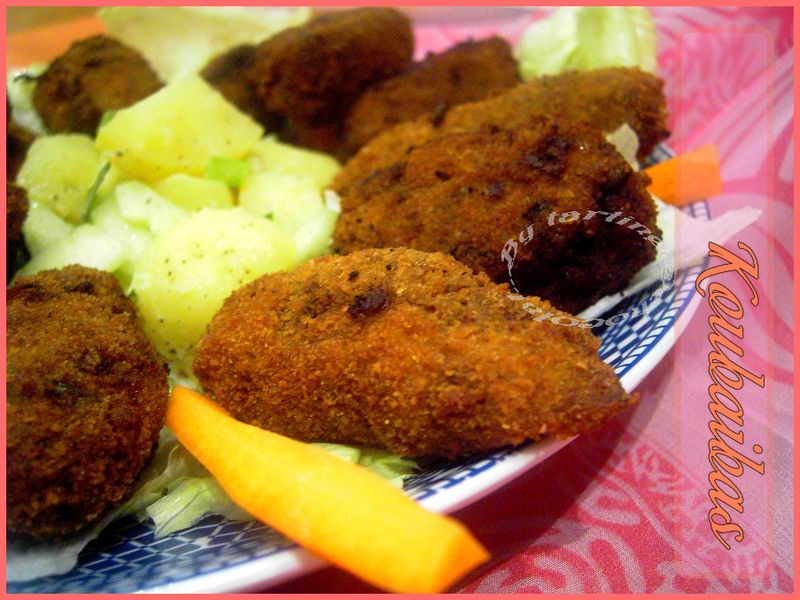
626 508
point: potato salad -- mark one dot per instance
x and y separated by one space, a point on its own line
184 199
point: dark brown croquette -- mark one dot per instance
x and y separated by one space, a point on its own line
16 212
230 74
314 72
468 194
86 396
468 71
93 76
602 98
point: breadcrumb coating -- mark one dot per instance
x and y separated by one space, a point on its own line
603 98
313 73
93 76
468 194
404 350
466 72
16 212
86 397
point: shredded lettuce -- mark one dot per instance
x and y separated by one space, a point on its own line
179 40
176 491
190 500
388 465
588 37
349 454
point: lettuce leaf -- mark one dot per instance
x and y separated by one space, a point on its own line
392 467
176 491
192 499
589 37
179 40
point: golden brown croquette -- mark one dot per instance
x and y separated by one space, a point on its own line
404 350
603 98
468 194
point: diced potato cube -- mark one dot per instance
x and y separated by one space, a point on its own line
58 172
87 245
193 193
276 157
184 276
141 207
176 130
43 228
294 203
108 217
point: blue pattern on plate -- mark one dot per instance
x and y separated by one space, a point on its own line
126 558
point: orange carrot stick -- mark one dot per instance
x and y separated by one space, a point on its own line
688 177
335 509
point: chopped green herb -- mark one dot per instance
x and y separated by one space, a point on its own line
107 116
228 170
91 195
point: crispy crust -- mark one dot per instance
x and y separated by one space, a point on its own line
467 194
86 397
94 75
230 74
404 350
603 98
18 140
466 72
16 212
312 74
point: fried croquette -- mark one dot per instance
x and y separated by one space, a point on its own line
18 140
603 98
86 396
16 212
468 194
321 138
94 75
230 74
312 74
404 350
468 71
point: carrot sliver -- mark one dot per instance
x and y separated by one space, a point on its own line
335 509
688 177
